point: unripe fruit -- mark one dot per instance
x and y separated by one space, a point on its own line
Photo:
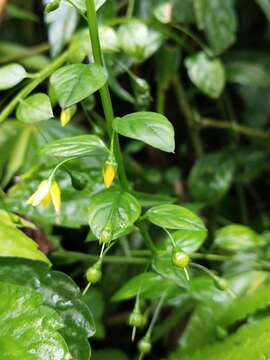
135 319
51 6
144 346
221 284
93 273
79 181
180 258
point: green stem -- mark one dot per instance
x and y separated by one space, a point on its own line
211 257
104 91
155 316
147 238
130 9
160 98
41 76
187 112
243 130
113 259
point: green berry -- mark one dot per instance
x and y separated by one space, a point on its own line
51 6
135 319
144 346
79 181
93 273
180 258
221 283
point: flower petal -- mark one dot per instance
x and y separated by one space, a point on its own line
42 191
55 193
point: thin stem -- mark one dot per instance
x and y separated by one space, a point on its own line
113 259
155 316
211 257
104 91
147 238
243 130
160 98
25 91
187 112
130 8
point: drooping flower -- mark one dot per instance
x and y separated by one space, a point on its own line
47 191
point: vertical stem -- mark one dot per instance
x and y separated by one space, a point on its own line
130 9
104 91
187 112
160 98
146 237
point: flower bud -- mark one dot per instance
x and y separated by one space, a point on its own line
93 273
66 115
180 258
109 172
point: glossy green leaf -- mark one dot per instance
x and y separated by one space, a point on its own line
34 109
58 292
73 83
11 75
77 146
207 74
14 242
137 40
185 240
112 212
211 177
149 284
152 128
28 329
218 19
61 25
236 237
175 217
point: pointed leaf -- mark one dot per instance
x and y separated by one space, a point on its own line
11 75
35 108
152 128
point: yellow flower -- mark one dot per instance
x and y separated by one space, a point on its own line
108 174
47 191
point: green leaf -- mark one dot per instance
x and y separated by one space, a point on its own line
61 25
73 83
152 128
207 74
248 71
250 342
14 242
211 177
34 109
236 237
175 217
76 146
28 329
61 294
137 40
183 11
218 19
186 240
112 212
202 327
265 6
149 284
11 75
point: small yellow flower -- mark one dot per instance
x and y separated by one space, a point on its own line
47 191
108 174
